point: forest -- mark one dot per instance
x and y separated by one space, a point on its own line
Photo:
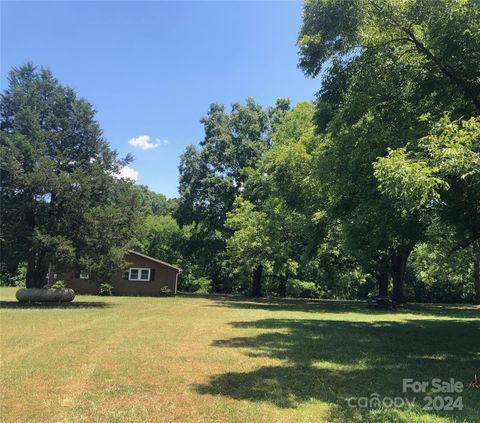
373 188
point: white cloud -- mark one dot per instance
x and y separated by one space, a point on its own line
143 142
128 173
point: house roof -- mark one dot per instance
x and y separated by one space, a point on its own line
154 259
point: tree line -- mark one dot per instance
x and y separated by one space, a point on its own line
373 188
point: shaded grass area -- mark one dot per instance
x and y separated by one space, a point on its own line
333 361
334 306
230 359
54 305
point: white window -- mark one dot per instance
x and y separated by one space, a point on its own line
138 274
84 275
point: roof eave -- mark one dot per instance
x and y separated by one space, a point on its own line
156 260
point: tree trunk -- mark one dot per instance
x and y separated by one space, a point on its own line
382 279
12 267
282 283
36 267
257 281
282 286
398 274
398 267
476 276
37 270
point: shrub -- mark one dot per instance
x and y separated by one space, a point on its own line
439 291
165 291
190 282
202 285
18 279
58 285
302 289
105 289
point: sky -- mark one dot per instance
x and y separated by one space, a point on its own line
151 69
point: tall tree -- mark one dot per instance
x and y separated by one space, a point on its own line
441 176
250 247
306 232
60 198
385 64
214 175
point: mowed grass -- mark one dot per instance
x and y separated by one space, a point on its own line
227 359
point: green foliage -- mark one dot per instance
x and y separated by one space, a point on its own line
165 291
390 69
337 275
202 286
419 179
439 270
105 289
302 289
212 177
249 246
162 238
61 203
290 160
441 290
17 279
156 204
303 230
192 280
58 285
442 177
441 39
376 182
411 181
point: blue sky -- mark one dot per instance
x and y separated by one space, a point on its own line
153 68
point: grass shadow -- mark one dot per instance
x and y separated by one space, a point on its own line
338 307
332 361
72 305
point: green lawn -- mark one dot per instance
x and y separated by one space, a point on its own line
228 359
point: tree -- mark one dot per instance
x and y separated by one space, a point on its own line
156 204
249 248
162 238
440 41
441 176
212 177
60 199
385 65
440 270
279 230
308 234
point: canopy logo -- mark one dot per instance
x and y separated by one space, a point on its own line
437 395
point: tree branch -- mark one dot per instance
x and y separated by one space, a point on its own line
449 74
421 48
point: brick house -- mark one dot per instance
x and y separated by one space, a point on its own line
145 276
